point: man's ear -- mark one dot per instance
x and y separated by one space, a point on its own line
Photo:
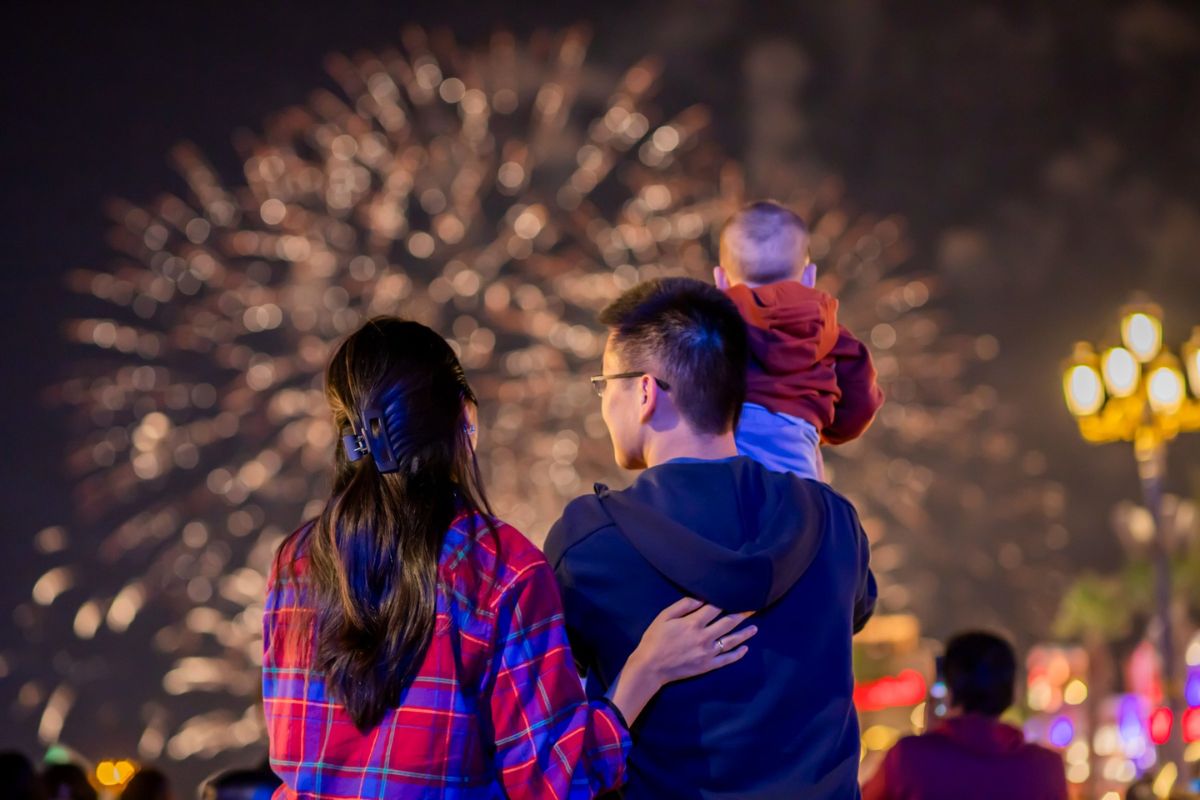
809 276
721 278
649 399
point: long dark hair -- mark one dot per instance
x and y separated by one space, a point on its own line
374 549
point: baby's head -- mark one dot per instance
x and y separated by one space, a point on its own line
763 243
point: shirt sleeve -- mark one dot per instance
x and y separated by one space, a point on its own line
1056 777
861 396
550 741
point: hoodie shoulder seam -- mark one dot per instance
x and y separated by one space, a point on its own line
582 506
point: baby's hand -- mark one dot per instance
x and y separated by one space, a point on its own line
721 278
809 276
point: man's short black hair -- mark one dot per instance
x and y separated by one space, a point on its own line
691 335
981 673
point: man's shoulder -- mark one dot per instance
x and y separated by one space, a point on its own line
1043 755
838 501
839 508
805 492
581 518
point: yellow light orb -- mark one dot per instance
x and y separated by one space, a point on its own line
1191 355
1165 390
917 717
1142 334
107 775
880 737
1075 693
1041 694
1193 652
1083 389
1078 773
125 770
1165 780
1121 372
1106 740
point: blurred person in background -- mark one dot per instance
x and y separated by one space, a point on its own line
67 782
972 753
148 784
258 783
18 778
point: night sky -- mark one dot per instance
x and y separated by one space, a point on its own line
1045 156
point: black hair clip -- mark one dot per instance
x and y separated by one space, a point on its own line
375 431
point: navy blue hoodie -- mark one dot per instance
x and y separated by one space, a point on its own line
780 723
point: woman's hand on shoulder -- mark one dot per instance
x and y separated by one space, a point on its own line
689 638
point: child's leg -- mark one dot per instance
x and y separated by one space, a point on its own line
780 442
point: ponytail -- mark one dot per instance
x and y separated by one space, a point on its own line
404 469
375 553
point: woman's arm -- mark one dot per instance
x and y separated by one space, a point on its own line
550 742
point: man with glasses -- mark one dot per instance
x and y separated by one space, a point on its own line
702 521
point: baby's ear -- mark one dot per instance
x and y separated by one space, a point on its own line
809 276
721 278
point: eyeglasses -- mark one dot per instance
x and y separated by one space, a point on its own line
599 381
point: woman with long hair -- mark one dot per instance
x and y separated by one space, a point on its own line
414 644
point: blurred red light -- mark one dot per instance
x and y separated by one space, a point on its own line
1160 725
906 689
1191 725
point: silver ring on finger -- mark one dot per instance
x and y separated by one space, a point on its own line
721 645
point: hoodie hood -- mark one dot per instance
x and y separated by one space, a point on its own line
792 328
980 734
743 547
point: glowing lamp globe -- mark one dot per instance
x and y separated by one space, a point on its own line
1142 334
1191 357
1164 388
1084 390
1121 372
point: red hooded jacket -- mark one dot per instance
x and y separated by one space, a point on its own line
970 756
802 363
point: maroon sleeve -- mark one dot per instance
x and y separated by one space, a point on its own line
861 395
1056 777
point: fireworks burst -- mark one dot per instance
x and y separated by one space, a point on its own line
493 194
500 195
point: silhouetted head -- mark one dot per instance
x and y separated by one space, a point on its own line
67 782
147 784
18 777
241 784
981 673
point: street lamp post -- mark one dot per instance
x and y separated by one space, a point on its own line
1137 392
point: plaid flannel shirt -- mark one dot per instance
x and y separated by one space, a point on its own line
497 708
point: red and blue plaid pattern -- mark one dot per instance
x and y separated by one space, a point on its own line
496 710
